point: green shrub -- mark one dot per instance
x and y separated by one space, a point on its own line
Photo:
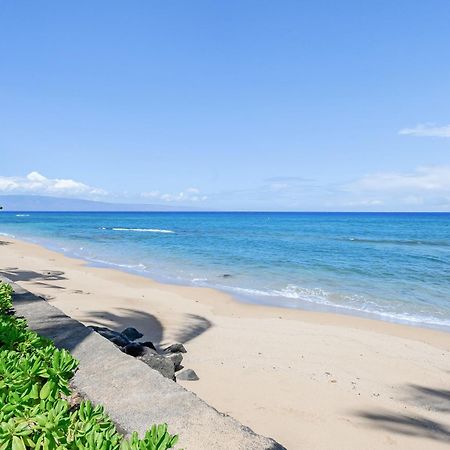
34 414
5 297
156 438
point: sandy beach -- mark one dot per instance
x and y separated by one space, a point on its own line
309 380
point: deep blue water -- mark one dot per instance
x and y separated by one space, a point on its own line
391 266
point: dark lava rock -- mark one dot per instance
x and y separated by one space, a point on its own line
134 349
175 348
226 275
113 336
100 330
176 358
188 375
148 344
119 340
132 334
157 362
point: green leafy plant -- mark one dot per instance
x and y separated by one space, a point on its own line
34 384
5 297
157 438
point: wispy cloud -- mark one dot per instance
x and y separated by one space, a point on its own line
188 195
365 203
428 130
36 183
426 188
431 178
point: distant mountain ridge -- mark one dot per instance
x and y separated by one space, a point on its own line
45 203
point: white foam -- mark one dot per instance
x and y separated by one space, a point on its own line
199 280
355 303
143 230
22 215
140 266
7 235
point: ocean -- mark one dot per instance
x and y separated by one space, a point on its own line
390 266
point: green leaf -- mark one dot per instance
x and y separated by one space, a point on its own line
46 390
17 443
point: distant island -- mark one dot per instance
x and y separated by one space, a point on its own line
46 203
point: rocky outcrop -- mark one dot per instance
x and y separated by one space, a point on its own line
166 363
188 375
131 333
176 359
175 348
134 349
163 365
115 337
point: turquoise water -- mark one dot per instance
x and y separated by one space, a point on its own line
390 266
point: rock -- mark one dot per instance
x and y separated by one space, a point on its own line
148 344
131 333
226 275
176 358
188 375
175 348
134 349
115 337
119 340
157 362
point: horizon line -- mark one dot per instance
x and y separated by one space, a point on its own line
225 211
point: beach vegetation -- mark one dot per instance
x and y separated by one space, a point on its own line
36 411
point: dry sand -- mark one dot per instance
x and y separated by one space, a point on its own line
309 380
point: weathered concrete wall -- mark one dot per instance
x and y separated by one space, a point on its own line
134 395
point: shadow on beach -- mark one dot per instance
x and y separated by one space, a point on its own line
51 322
191 327
39 278
427 398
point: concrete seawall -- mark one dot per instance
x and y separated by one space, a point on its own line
134 395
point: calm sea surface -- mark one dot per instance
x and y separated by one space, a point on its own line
390 266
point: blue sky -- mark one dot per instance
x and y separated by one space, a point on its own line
289 105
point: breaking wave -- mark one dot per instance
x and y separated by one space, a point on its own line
143 230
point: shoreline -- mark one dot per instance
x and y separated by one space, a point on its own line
316 310
284 372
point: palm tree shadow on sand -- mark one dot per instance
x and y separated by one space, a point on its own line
427 398
69 333
45 278
191 327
